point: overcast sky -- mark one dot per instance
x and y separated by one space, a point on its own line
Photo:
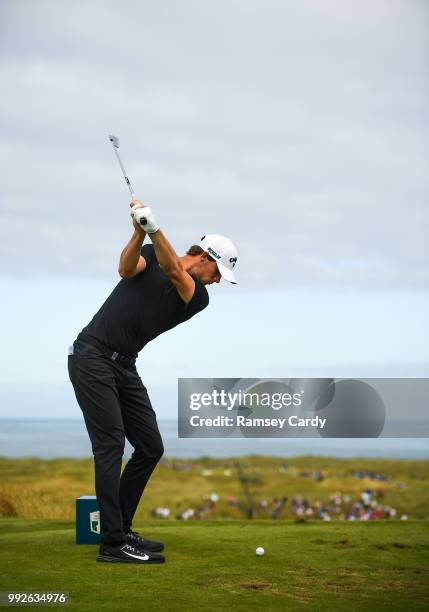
297 128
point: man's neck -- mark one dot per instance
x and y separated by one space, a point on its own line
187 261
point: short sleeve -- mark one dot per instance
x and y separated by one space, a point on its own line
199 300
148 252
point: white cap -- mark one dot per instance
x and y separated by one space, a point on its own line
223 252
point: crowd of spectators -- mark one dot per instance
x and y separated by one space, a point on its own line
371 475
340 506
368 507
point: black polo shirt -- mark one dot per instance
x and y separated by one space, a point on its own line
141 308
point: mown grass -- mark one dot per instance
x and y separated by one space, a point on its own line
46 489
212 565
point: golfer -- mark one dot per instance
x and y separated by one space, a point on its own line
158 291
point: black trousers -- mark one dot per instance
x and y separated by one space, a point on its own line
115 406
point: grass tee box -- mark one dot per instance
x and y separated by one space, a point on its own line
212 565
87 520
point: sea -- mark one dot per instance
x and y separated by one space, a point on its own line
53 438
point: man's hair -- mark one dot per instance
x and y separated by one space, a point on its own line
195 250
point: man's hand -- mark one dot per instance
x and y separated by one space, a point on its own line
137 204
144 218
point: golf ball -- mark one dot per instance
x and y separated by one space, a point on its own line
260 551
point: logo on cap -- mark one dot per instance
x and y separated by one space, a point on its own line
210 250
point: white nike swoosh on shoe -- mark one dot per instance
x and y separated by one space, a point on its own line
141 557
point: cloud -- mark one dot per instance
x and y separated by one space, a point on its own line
299 129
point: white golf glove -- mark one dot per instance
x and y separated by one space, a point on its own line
145 218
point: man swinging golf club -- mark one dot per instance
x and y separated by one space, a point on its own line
158 291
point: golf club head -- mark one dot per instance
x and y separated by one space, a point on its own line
114 141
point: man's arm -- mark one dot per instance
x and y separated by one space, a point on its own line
172 266
131 262
165 254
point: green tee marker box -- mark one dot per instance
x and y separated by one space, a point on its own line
87 520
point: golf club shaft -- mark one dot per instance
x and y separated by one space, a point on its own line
127 180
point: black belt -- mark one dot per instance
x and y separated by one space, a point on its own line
113 355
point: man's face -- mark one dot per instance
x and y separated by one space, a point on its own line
206 271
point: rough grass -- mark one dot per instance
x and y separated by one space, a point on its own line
46 489
212 565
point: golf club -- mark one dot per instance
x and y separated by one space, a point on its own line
115 143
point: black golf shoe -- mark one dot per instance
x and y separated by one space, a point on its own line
135 539
126 553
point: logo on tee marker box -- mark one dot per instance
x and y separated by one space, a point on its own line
94 521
